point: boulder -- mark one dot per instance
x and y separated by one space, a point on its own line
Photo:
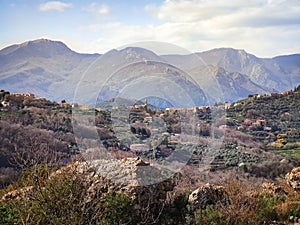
207 195
293 178
146 184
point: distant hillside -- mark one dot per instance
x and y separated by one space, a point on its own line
50 69
220 85
271 117
47 68
277 74
32 128
270 73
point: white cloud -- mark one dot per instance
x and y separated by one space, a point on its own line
196 37
232 13
264 28
54 6
97 9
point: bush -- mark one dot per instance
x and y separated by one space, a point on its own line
8 215
118 209
250 206
175 213
56 200
267 205
63 198
210 215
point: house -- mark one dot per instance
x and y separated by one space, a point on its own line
267 129
286 92
279 136
237 104
247 122
204 108
27 95
260 122
241 128
99 109
5 103
165 134
161 115
223 127
64 104
175 138
227 105
139 147
81 106
273 94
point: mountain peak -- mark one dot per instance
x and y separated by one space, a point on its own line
139 51
226 51
38 48
38 41
133 54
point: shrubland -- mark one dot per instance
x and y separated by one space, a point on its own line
37 139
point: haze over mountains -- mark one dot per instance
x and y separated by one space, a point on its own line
50 69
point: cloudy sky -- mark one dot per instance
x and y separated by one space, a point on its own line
262 27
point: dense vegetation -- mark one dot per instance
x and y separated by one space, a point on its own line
260 139
63 200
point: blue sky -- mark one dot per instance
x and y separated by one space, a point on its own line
263 27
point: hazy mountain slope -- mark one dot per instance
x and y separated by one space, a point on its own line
290 65
137 73
264 72
50 69
41 67
220 85
279 73
105 67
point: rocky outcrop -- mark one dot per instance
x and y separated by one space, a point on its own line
17 194
293 178
207 195
146 184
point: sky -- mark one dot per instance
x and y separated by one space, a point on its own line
265 28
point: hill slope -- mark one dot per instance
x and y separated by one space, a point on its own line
42 67
50 69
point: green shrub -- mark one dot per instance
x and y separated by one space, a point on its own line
266 206
58 201
294 210
8 215
210 215
118 209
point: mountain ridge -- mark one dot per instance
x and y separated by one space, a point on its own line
51 69
40 40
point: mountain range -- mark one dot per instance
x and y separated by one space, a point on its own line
50 69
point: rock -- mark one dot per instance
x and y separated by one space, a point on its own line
284 161
17 194
140 162
293 178
146 184
273 189
242 165
207 195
